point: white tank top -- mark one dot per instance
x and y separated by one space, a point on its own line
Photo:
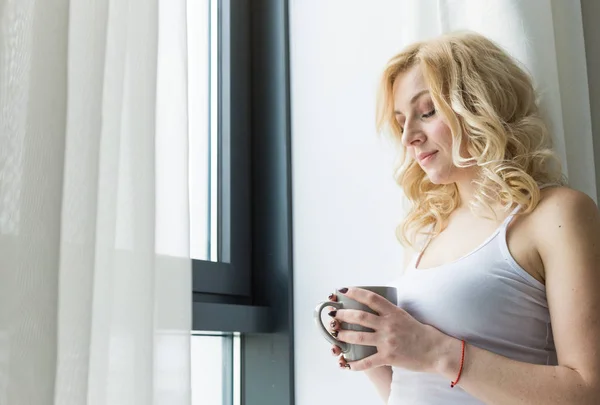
485 298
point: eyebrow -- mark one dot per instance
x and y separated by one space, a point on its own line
414 98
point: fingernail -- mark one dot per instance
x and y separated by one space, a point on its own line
333 323
343 290
334 333
347 366
331 297
332 351
332 313
341 364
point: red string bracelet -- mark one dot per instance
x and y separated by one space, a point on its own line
462 363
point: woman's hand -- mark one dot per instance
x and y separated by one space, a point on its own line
401 340
334 327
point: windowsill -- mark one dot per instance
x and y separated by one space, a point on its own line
208 316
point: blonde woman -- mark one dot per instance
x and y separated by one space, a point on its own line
500 303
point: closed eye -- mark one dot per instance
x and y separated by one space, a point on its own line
426 115
429 114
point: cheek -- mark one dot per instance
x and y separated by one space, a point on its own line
440 132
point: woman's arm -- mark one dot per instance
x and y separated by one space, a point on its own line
568 241
381 377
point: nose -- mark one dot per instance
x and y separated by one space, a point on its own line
412 134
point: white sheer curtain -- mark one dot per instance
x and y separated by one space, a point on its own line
95 279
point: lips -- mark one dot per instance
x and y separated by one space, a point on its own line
424 157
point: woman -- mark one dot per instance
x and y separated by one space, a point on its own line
500 303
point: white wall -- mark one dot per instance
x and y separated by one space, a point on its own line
346 204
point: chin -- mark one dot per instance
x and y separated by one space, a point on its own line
441 175
437 178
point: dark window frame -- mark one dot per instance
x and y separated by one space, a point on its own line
230 275
250 289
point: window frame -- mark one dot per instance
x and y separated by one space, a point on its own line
230 274
251 289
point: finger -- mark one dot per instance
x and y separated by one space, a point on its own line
374 301
367 363
357 317
357 338
342 363
335 350
334 326
332 297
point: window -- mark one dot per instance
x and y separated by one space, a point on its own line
203 125
216 369
241 203
220 209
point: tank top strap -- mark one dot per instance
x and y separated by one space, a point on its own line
543 186
419 254
510 217
514 212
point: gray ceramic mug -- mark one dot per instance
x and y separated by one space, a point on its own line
353 352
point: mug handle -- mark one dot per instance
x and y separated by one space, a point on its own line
323 330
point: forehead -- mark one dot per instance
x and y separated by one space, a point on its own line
406 85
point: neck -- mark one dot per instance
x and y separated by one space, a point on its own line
466 189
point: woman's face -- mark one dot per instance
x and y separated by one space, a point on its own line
425 134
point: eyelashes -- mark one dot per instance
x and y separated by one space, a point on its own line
429 114
423 116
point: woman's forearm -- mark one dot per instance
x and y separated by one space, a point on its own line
498 380
381 377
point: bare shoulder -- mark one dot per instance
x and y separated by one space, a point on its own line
564 214
560 204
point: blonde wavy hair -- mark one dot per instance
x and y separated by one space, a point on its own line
488 102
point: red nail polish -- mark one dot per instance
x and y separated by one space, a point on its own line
333 352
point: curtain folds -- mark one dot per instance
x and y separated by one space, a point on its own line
95 275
